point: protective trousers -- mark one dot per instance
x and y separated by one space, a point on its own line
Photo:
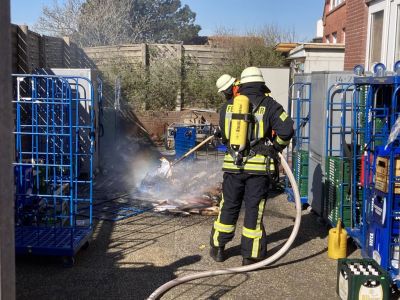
253 190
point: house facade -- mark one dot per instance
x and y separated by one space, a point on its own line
334 22
346 21
356 33
383 38
370 30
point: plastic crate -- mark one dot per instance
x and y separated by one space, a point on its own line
300 168
378 244
334 215
362 279
377 208
337 169
337 199
185 139
300 163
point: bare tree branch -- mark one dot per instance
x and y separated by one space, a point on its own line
60 20
107 22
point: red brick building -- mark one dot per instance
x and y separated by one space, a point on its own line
356 33
334 21
346 21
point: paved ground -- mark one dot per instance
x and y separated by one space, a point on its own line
131 258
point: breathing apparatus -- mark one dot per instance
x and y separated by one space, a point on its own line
239 128
241 147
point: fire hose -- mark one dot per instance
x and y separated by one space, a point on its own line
165 287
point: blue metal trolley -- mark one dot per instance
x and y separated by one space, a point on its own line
299 109
54 141
337 199
381 196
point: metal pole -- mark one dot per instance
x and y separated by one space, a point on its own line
7 257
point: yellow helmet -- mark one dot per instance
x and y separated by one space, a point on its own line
251 74
224 82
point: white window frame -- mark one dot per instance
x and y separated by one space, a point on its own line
374 8
335 3
343 36
392 33
334 37
327 39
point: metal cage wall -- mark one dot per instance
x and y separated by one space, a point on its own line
54 143
338 139
299 109
381 173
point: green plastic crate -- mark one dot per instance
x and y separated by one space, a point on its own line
359 279
300 168
379 124
337 170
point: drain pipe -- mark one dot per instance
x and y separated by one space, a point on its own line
165 287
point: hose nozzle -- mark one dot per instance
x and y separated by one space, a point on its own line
238 159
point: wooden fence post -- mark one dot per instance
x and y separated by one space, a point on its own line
179 96
146 66
24 64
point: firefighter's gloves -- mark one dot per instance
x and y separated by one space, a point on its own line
278 147
217 133
267 150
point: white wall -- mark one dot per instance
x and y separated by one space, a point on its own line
320 29
277 79
324 62
316 59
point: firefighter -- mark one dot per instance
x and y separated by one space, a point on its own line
246 164
228 86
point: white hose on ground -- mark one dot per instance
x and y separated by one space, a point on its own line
165 287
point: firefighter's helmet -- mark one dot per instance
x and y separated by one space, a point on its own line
224 82
251 74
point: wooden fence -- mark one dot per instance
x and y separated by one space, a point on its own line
31 50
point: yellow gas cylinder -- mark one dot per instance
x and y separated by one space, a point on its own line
238 134
337 242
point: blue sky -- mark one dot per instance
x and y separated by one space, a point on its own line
238 16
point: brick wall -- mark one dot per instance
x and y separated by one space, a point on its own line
155 122
356 33
335 21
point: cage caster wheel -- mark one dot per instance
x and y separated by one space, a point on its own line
86 245
68 261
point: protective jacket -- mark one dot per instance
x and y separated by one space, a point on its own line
268 116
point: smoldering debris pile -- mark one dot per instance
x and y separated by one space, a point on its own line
192 188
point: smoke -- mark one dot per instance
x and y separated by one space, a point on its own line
128 155
192 183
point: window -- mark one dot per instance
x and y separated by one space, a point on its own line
343 36
376 37
335 3
397 46
334 38
327 39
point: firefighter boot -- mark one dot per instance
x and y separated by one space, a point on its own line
217 253
250 261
